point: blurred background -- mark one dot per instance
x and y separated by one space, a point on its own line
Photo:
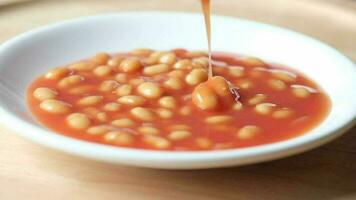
332 21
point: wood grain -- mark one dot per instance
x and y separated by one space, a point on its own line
29 171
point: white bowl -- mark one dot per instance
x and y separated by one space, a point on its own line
31 54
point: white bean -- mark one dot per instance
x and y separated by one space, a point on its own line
264 108
179 135
248 132
108 85
157 141
124 90
143 114
78 121
43 93
150 90
55 106
131 100
123 123
90 100
57 73
119 137
70 81
156 69
112 107
102 70
218 119
167 102
148 130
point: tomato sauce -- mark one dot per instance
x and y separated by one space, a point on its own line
307 110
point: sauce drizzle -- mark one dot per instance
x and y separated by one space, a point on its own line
206 11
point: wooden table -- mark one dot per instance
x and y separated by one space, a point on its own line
29 171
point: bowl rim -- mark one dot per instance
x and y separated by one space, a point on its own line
130 155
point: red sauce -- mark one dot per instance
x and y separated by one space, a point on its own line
307 112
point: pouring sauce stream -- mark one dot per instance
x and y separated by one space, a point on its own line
206 11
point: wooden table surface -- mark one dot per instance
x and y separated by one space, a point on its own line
29 171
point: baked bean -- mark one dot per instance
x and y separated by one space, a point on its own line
195 54
264 108
102 117
143 114
257 72
43 93
108 85
119 137
258 98
282 113
136 81
148 130
157 54
302 91
83 89
253 62
179 135
218 119
184 64
123 123
131 100
124 90
141 52
121 78
55 106
100 58
156 69
201 62
115 62
167 102
150 61
150 90
57 73
130 65
204 97
81 66
277 84
164 113
177 73
157 141
220 86
112 107
178 127
185 110
70 81
236 71
196 76
102 71
237 106
248 132
283 75
78 121
168 58
173 83
244 84
203 143
90 100
99 130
